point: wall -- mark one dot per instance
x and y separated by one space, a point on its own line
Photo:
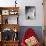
39 13
38 21
37 30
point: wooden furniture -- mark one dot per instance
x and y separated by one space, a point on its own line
44 9
11 26
44 35
0 43
10 43
5 13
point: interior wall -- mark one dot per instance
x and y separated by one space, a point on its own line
39 13
38 21
36 29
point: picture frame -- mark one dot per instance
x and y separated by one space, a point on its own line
5 12
30 12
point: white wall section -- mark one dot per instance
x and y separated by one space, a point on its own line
22 3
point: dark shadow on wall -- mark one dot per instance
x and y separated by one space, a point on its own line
37 29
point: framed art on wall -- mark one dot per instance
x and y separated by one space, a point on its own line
5 12
30 12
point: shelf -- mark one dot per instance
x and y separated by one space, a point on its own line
10 26
5 8
11 14
11 41
5 13
10 19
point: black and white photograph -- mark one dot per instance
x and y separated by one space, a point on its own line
30 12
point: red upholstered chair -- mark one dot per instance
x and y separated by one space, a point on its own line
29 33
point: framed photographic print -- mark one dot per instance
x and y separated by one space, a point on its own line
30 12
5 12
